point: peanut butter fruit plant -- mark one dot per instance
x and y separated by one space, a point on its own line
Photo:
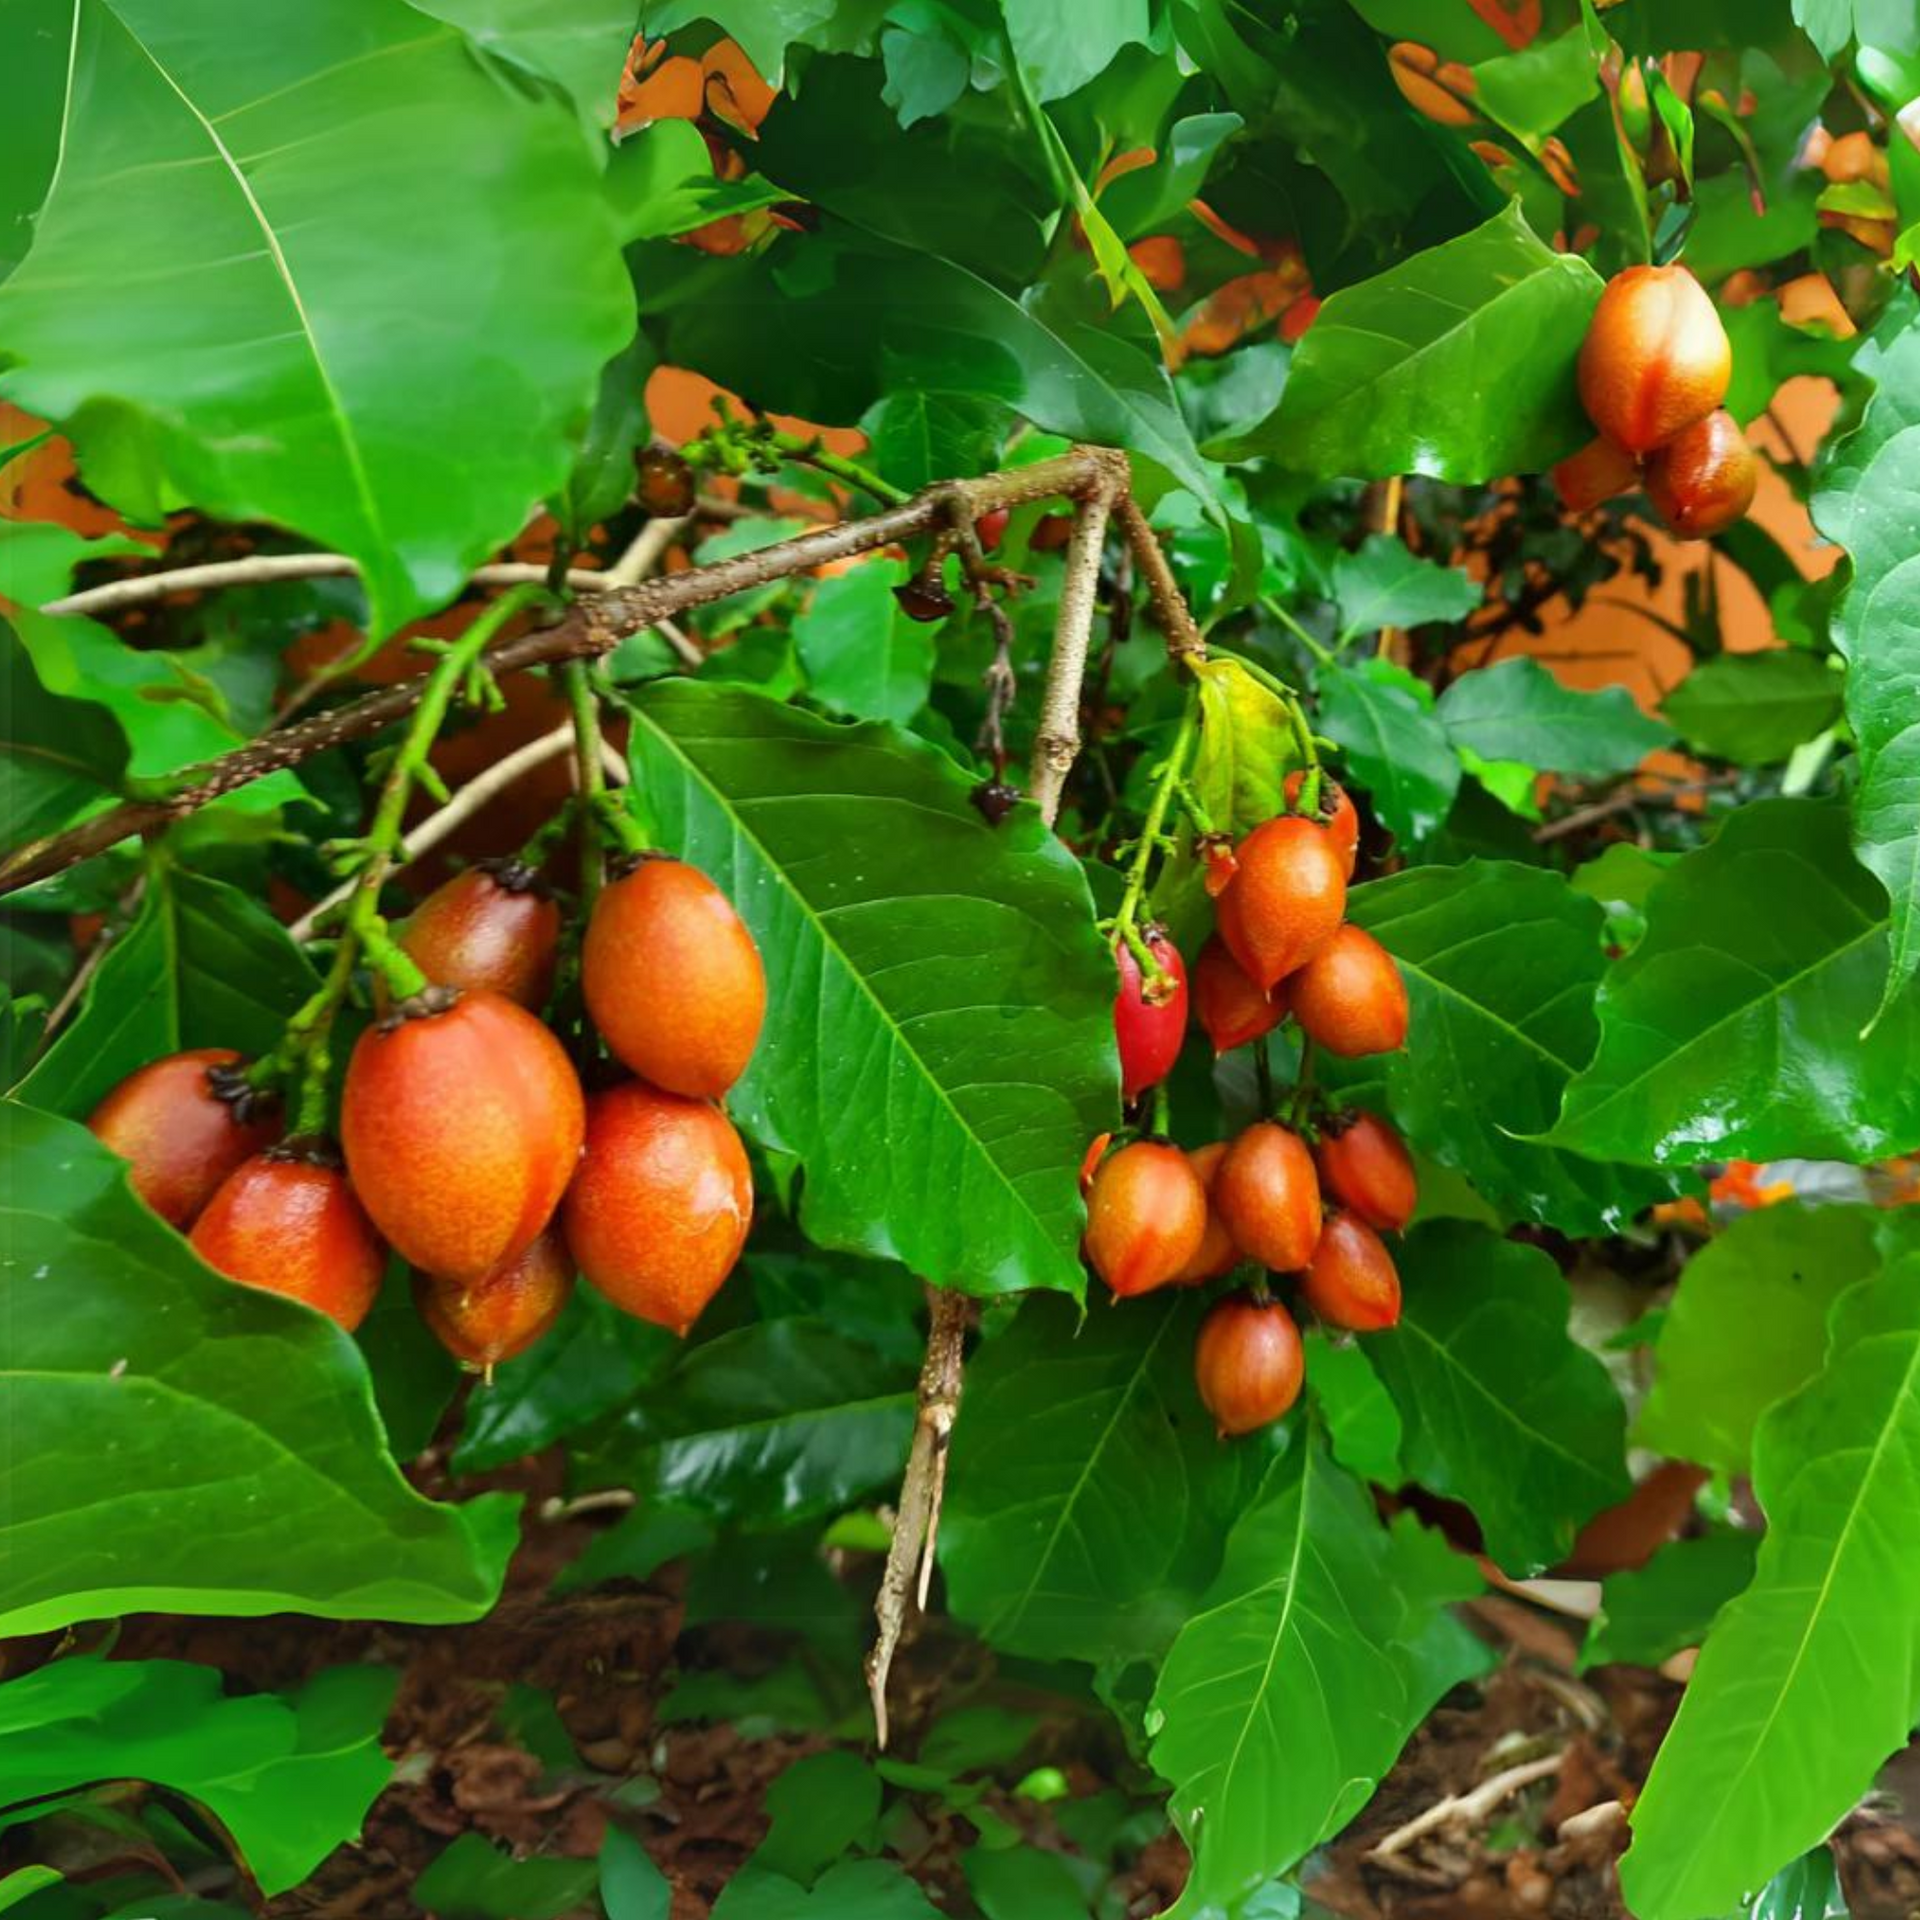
812 956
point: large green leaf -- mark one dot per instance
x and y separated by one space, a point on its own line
1398 750
267 280
1502 1409
864 657
938 1047
1735 1026
32 78
198 1447
1516 710
1386 584
60 758
1754 708
581 44
1807 1681
1395 373
1062 48
1650 1613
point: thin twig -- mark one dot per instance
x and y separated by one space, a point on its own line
1624 802
1467 1809
1184 639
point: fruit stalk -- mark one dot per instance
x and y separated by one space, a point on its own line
1166 785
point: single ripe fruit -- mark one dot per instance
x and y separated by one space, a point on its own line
287 1221
483 1322
673 979
1599 471
1349 997
1352 1282
494 928
1365 1166
1149 1018
1268 1197
1655 359
1146 1217
1216 1253
1248 1363
1288 893
462 1128
1231 1008
660 1208
1702 480
1337 813
179 1138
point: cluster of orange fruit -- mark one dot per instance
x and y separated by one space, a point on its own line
467 1144
1310 1199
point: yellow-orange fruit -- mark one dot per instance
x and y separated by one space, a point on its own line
1655 359
1231 1008
1702 481
1216 1253
492 929
1352 1281
1146 1217
1288 892
1365 1165
660 1208
483 1322
1599 471
1350 998
1337 813
673 979
1442 90
1268 1197
1248 1363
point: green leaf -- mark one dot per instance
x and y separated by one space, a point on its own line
941 1111
23 1882
1363 1424
1805 1889
1533 91
916 438
1748 1326
59 760
601 482
1734 1028
581 45
853 1890
474 1880
230 298
765 29
1804 1686
631 1886
818 1809
1500 962
38 558
1754 708
1023 1883
636 1547
1395 746
290 1779
1385 584
864 657
1060 49
661 182
32 84
1392 377
1517 710
1651 1613
1246 747
160 1395
1502 1409
1149 199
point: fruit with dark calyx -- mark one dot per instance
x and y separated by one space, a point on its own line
1365 1166
462 1119
673 978
1146 1217
1231 1008
286 1221
1599 471
664 482
660 1208
1350 997
1149 1017
494 928
1336 813
1352 1282
179 1133
1268 1197
1216 1253
1702 480
1248 1363
1655 358
925 597
1288 893
499 1316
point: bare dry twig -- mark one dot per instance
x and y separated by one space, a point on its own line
1467 1809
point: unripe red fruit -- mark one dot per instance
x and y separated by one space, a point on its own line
180 1140
1287 896
483 1322
492 929
673 979
1216 1253
1655 359
1146 1217
1149 1020
1365 1166
991 528
462 1129
1702 480
1231 1008
1598 472
1050 531
1248 1363
1352 1282
660 1208
1337 813
290 1224
1268 1197
1350 998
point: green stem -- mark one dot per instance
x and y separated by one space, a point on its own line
1325 656
1153 829
1162 1112
809 452
1263 1078
593 778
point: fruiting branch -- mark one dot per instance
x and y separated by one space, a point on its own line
1184 638
1167 783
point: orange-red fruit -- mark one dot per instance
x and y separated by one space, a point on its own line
1655 359
290 1224
1268 1197
1702 480
673 979
462 1129
1146 1217
1365 1166
1231 1008
1149 1023
1216 1253
1349 997
1287 896
1248 1363
1337 813
180 1140
483 1322
660 1208
492 929
1599 471
1352 1282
